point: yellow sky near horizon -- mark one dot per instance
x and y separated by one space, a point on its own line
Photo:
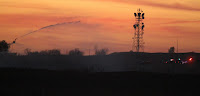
106 23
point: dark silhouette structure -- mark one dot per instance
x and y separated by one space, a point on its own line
4 46
138 42
171 50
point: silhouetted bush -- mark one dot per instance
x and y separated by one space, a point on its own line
103 51
76 52
171 50
50 52
131 51
34 53
27 51
53 52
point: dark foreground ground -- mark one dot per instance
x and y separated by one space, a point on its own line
29 82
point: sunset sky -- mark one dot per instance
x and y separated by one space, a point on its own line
105 23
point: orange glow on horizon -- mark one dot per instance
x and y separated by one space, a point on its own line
106 23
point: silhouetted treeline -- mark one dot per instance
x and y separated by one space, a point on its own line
76 52
124 61
43 52
103 51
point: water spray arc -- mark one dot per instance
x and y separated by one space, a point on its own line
45 28
48 27
73 22
138 43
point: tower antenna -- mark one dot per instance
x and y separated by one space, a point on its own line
138 43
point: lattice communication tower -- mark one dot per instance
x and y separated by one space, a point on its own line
138 43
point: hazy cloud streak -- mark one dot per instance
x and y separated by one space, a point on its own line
174 5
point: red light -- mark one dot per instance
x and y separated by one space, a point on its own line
190 59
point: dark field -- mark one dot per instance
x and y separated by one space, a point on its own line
29 82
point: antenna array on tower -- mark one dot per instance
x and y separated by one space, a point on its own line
138 43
